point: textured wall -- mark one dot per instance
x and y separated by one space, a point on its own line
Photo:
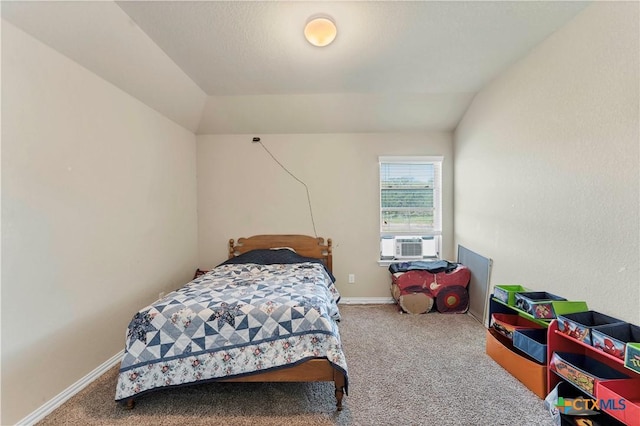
243 192
547 160
98 217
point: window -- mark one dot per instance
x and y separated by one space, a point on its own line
410 207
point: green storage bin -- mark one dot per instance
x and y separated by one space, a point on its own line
632 356
507 293
562 307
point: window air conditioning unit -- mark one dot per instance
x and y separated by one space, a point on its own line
408 248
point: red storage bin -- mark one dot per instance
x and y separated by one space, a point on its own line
622 399
506 324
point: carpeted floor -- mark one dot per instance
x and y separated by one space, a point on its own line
404 369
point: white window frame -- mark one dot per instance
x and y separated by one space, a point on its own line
434 233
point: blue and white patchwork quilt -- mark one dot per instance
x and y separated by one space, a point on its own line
235 320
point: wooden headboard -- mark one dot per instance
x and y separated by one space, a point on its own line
304 245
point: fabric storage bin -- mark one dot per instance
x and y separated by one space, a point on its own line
505 324
598 420
578 325
533 342
622 398
582 371
536 303
546 306
613 338
507 293
568 406
526 370
560 403
632 356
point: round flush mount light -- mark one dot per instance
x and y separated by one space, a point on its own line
320 31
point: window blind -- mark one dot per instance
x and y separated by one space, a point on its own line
410 195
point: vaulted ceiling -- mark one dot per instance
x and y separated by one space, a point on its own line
219 67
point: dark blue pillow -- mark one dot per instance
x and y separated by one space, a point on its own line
274 256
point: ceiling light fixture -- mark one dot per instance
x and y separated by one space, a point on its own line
320 31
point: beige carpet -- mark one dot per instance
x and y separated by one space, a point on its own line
404 369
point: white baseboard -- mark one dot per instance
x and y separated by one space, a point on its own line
367 300
66 394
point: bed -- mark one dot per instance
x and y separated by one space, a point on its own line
268 313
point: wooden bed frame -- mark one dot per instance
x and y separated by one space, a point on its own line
315 370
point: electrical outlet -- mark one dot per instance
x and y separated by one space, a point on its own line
352 278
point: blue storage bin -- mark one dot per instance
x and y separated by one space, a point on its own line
532 302
533 342
507 293
613 338
580 324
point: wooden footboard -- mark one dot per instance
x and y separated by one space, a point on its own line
315 370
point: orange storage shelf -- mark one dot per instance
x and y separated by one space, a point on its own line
532 374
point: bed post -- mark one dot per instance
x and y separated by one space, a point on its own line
329 254
232 250
338 379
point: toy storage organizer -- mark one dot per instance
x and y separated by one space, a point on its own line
527 365
418 291
535 354
601 376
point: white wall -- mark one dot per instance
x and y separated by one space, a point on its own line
99 194
98 217
546 165
242 192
